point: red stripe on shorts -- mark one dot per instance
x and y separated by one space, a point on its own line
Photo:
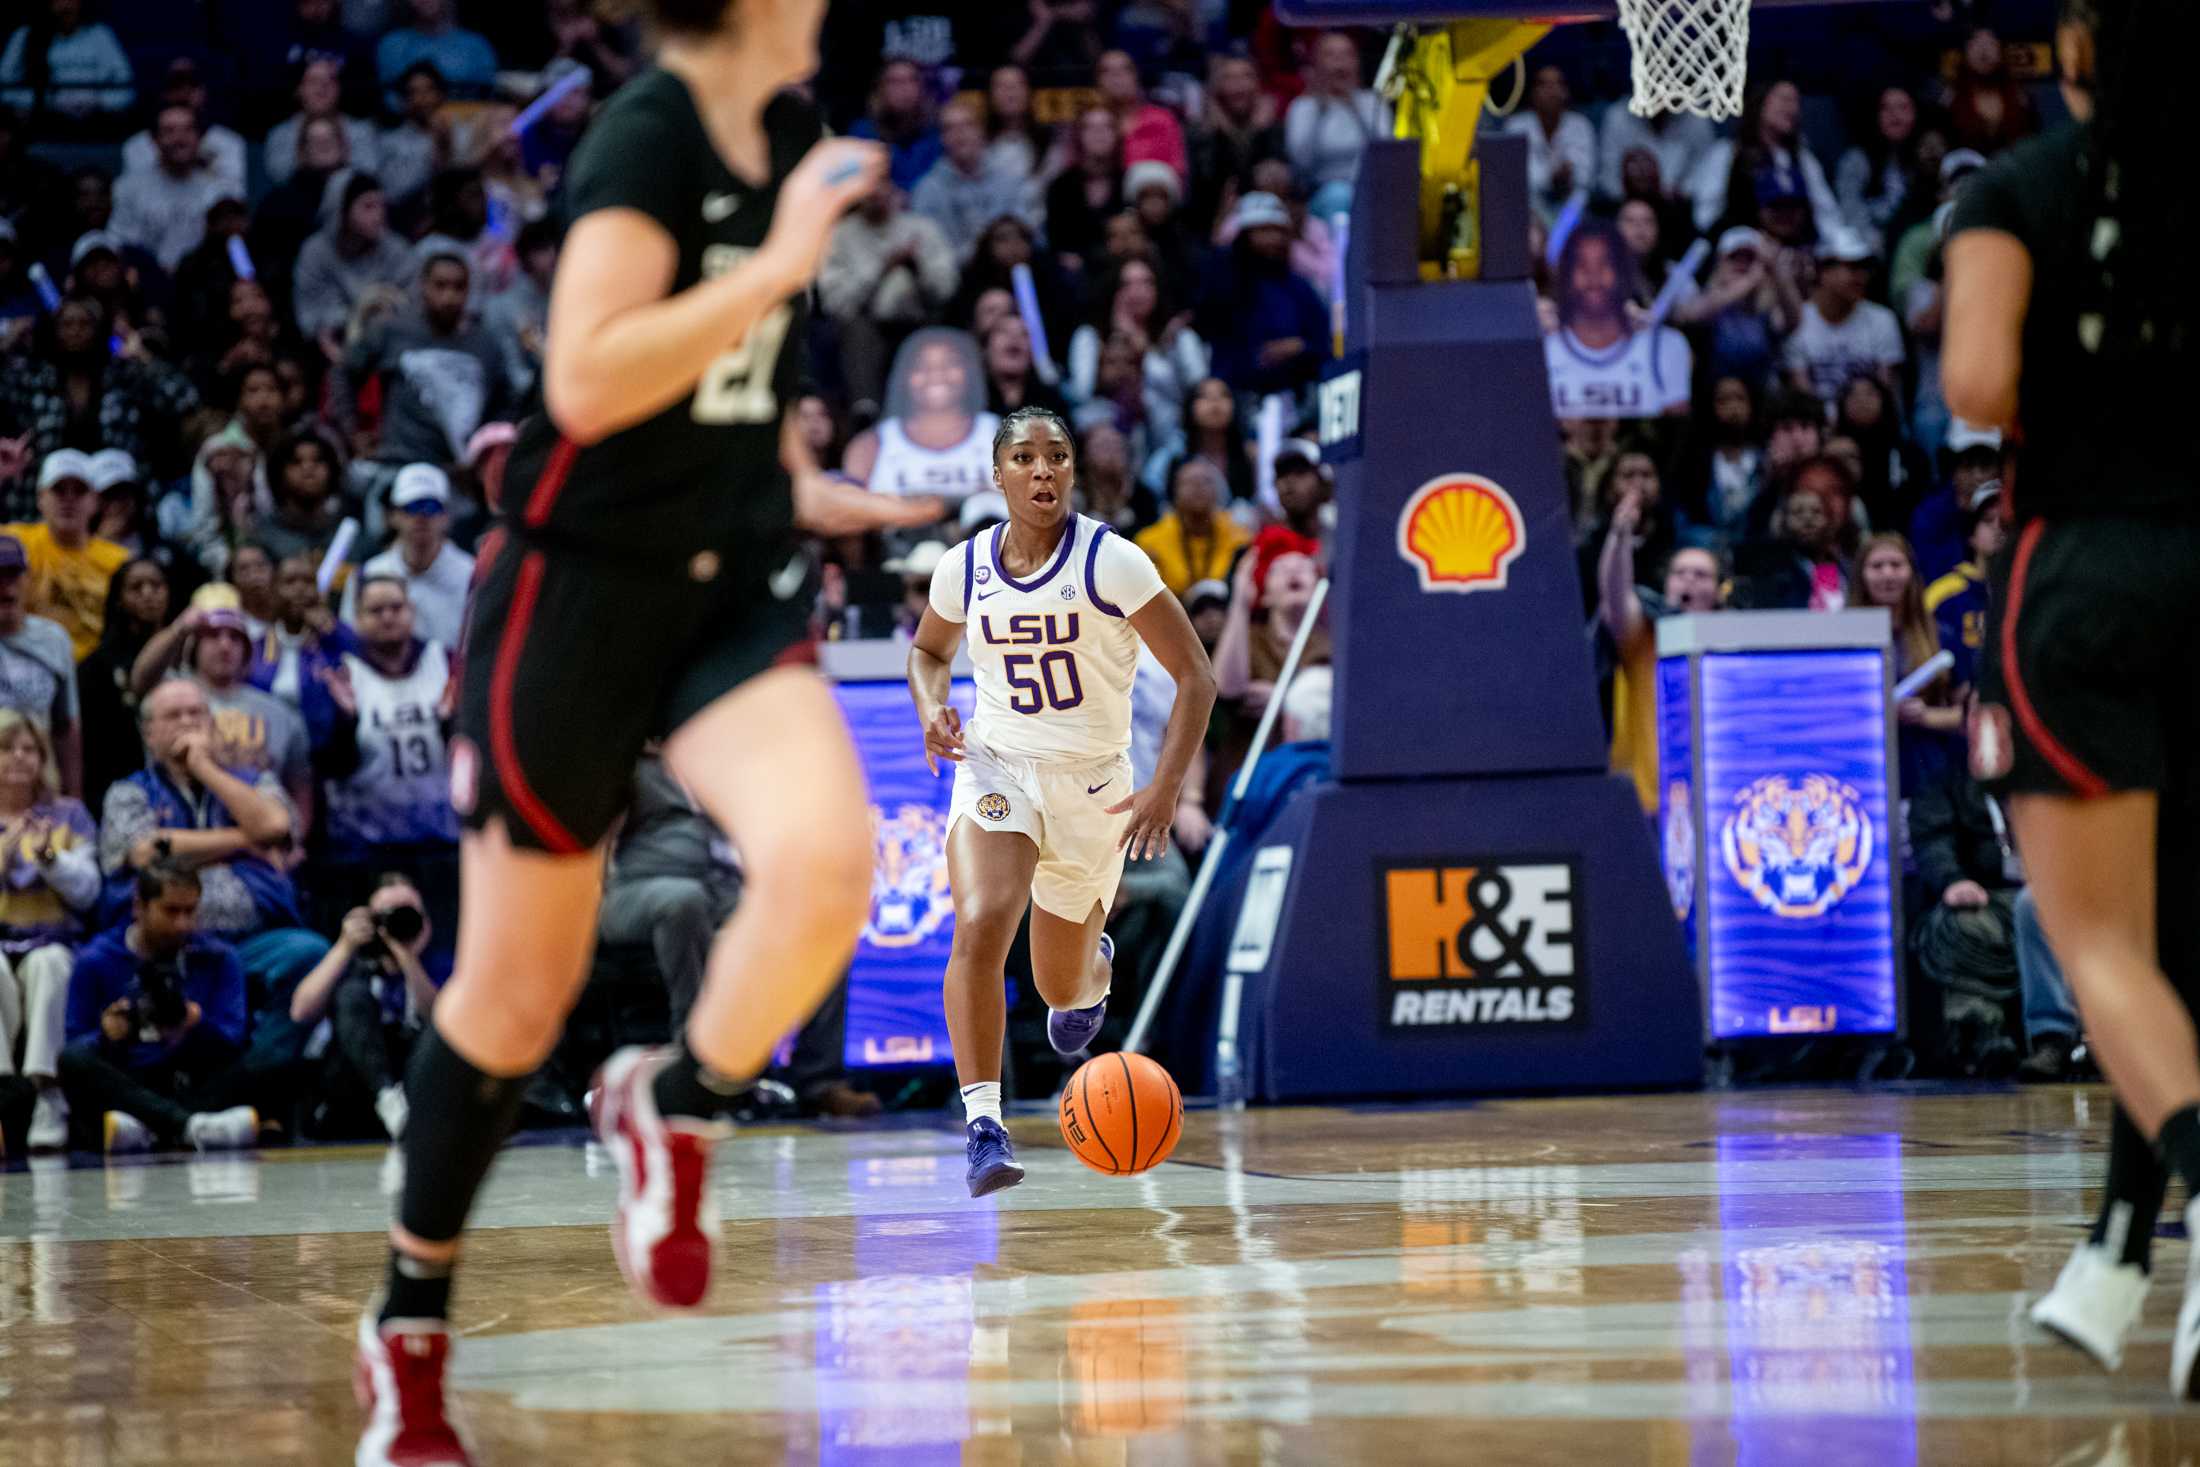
2082 781
492 545
503 741
545 497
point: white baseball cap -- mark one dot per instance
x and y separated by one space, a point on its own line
68 463
91 242
1153 173
112 467
1740 237
979 508
922 559
1257 209
421 484
1847 247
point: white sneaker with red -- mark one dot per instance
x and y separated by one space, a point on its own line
667 1222
398 1378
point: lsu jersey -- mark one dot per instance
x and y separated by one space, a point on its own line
1054 654
908 468
1643 375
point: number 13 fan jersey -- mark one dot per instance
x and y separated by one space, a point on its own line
1054 654
704 473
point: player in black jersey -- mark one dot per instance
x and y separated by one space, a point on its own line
2073 308
641 583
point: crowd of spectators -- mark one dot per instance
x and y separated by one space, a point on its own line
272 293
1792 452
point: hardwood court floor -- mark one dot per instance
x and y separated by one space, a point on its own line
1762 1278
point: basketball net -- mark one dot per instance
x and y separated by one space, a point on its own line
1689 55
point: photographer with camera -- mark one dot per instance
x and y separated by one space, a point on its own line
376 996
236 833
156 1027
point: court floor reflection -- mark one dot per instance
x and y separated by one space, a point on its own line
1764 1278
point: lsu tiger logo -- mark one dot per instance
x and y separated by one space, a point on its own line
909 896
1680 849
1797 845
993 806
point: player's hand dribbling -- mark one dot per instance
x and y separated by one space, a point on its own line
824 185
943 739
1153 812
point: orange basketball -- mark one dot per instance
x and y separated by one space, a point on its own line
1122 1114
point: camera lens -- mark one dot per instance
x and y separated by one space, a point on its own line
402 924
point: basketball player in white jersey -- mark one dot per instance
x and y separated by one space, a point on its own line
1055 606
936 438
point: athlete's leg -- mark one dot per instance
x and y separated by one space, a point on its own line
990 874
2091 864
772 764
525 937
1067 965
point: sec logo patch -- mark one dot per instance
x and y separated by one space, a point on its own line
993 807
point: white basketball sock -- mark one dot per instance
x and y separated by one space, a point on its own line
982 1101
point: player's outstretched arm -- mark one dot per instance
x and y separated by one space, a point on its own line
931 675
1164 627
622 349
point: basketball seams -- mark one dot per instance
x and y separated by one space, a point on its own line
1092 1123
1130 1094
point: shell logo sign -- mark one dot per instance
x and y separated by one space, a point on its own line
1461 532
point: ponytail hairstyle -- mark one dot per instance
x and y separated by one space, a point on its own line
2139 297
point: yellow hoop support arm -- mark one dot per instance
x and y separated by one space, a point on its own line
1440 90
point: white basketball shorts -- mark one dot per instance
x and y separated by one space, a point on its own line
1063 808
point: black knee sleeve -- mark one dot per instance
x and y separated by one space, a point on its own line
457 1119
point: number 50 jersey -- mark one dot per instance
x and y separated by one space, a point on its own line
704 473
1054 654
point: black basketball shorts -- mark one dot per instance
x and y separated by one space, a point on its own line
2090 682
573 662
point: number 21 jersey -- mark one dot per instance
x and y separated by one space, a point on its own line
704 473
1054 653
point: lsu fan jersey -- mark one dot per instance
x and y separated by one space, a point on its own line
1642 375
1055 654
